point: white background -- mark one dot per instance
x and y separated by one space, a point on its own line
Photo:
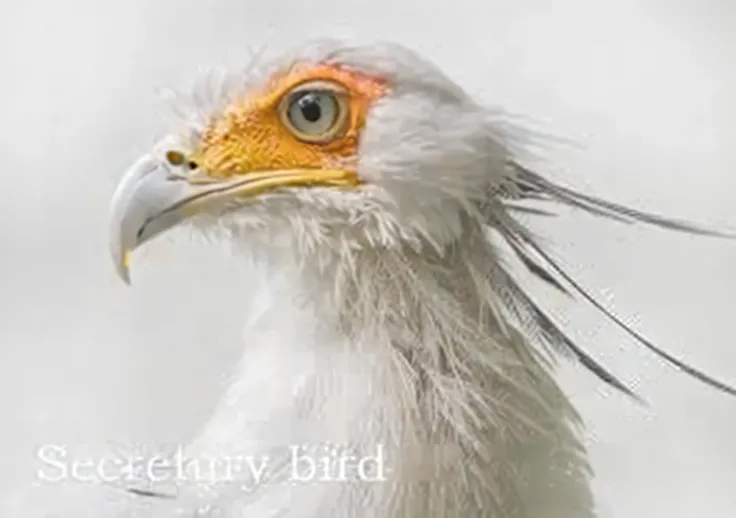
646 90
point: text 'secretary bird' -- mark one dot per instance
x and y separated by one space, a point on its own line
373 196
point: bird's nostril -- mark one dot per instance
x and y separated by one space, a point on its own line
175 158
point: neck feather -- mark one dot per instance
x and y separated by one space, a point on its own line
403 358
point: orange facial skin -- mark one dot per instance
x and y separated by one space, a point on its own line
249 135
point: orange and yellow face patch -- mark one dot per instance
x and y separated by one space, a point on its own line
250 136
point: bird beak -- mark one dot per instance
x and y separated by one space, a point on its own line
152 198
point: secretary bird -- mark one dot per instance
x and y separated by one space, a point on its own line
383 208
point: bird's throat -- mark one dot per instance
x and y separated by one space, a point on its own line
390 388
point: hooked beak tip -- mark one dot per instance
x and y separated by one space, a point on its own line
122 266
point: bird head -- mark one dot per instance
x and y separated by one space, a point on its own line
335 148
330 147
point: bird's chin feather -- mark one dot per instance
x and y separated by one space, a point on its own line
319 220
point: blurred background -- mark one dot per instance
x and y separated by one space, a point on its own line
643 88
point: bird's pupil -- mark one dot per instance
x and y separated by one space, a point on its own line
310 107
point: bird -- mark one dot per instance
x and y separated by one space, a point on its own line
394 365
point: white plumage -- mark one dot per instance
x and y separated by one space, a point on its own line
389 320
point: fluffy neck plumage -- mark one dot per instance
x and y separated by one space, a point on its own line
403 356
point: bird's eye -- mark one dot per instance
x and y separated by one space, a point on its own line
315 113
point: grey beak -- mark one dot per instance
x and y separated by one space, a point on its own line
148 201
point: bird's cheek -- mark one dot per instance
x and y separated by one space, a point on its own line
257 149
